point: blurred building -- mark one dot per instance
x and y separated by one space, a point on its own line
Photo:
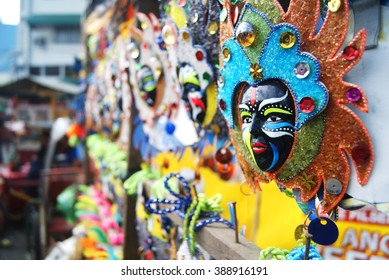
49 37
8 34
44 72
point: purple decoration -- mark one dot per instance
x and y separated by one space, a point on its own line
354 94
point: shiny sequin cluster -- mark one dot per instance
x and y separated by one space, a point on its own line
281 58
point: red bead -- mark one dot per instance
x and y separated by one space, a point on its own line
209 162
197 175
222 104
350 53
360 154
225 170
223 155
199 55
307 105
145 46
174 106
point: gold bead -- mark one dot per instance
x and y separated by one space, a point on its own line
287 40
134 51
158 71
144 25
226 54
334 5
245 34
213 28
168 35
186 36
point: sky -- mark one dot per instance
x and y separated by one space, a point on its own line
10 11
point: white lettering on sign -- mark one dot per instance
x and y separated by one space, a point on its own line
369 241
384 244
367 215
363 246
355 255
350 238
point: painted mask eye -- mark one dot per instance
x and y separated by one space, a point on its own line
246 117
273 119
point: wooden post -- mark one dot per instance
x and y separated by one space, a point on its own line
307 246
134 160
236 223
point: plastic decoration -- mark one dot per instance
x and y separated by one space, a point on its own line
190 210
97 218
282 93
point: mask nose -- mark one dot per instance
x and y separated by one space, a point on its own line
255 128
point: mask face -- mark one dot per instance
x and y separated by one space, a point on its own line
267 119
195 101
148 85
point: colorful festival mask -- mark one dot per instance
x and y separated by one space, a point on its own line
146 68
192 40
282 93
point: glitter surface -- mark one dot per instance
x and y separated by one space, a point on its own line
329 137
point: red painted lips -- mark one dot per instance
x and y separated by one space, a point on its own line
258 147
197 102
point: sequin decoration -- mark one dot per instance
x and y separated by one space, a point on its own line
245 34
168 35
213 28
334 5
144 25
301 70
354 94
186 36
360 154
222 104
207 77
220 81
134 51
350 53
226 54
299 232
287 40
158 71
199 55
307 105
256 71
334 186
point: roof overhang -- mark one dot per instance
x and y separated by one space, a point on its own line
39 88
